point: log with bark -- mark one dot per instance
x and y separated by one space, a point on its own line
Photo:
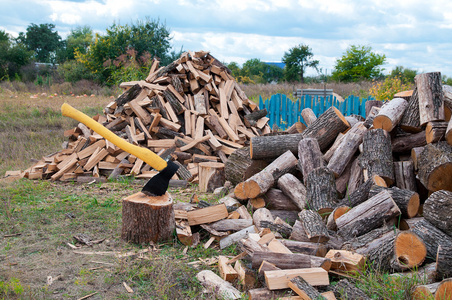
390 114
294 189
309 156
407 201
430 235
437 210
314 226
240 166
435 165
304 289
321 190
410 120
404 175
430 93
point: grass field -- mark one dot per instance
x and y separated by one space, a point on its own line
39 219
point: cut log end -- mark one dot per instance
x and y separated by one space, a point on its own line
383 122
444 290
413 206
341 116
240 191
409 249
440 178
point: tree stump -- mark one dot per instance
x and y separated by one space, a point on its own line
147 219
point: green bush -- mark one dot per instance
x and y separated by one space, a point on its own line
73 71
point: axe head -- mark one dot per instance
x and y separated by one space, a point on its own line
158 184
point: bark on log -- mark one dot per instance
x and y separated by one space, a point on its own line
219 287
147 218
276 199
309 156
430 235
328 154
266 147
304 289
407 201
308 116
444 262
261 182
437 210
407 142
376 158
262 214
281 260
298 233
240 166
390 114
297 127
372 103
315 249
254 116
342 181
284 229
410 121
371 116
321 190
345 290
231 224
435 167
336 213
294 189
358 196
404 175
128 96
289 216
314 226
430 91
347 148
356 177
264 294
368 215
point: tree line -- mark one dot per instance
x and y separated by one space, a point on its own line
125 52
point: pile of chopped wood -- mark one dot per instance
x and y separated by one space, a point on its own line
191 111
339 194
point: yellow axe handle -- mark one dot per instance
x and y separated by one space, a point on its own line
144 154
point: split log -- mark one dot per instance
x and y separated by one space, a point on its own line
214 284
404 175
281 260
437 210
435 167
314 226
308 116
279 279
240 166
344 260
430 92
435 131
294 189
407 201
227 272
376 158
276 199
264 294
410 120
235 237
246 276
407 142
289 216
304 289
254 116
207 215
444 290
368 215
390 114
231 224
211 176
321 190
297 127
261 182
147 218
298 233
284 229
309 156
444 262
346 290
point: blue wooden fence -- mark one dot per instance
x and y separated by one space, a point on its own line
284 112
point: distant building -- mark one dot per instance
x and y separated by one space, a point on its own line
277 64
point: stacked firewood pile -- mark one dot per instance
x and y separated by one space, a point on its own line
341 193
191 111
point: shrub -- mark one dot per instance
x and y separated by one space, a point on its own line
73 71
385 90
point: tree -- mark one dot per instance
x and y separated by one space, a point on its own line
12 56
358 63
79 39
405 74
43 40
297 60
147 38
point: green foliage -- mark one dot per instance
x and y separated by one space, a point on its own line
13 56
10 288
405 74
385 90
447 80
128 68
79 39
297 60
43 40
73 71
148 38
255 71
358 63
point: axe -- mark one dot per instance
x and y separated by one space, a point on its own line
158 184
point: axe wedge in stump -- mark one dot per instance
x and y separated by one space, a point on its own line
158 184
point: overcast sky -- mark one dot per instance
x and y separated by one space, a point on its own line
411 33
